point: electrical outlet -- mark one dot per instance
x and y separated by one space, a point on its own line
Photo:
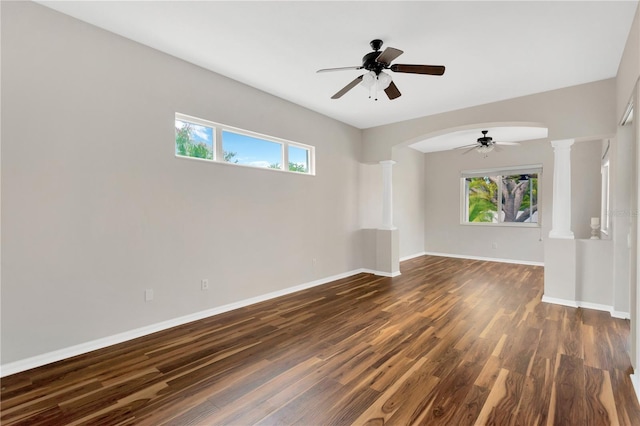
148 295
314 261
494 245
204 284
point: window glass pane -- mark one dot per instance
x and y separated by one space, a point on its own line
194 140
298 159
481 199
520 198
250 151
501 196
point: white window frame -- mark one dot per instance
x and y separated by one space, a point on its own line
218 148
605 203
499 171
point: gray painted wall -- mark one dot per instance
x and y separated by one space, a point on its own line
409 199
96 208
593 284
581 112
586 186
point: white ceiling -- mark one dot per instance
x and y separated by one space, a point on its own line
492 50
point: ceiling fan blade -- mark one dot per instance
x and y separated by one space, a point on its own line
418 69
392 91
388 55
348 87
469 150
467 146
339 69
508 143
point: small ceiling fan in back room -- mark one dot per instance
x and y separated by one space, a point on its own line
376 79
485 144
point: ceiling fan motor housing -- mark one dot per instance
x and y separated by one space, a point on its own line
369 62
485 140
376 44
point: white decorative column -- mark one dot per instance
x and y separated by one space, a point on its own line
561 213
387 236
387 194
560 248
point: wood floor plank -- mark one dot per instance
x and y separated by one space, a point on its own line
599 407
455 387
394 396
470 408
505 409
570 391
450 341
521 349
627 408
538 387
571 333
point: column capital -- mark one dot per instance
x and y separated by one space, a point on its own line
387 162
562 143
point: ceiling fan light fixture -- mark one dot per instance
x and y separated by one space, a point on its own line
380 81
369 80
485 149
375 82
384 80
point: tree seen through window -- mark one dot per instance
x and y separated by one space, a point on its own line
502 198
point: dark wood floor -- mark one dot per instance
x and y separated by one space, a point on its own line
450 341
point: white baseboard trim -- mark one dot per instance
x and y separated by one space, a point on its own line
82 348
488 259
635 380
380 273
620 314
586 305
563 302
412 256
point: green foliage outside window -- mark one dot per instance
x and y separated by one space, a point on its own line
187 145
518 200
482 199
293 167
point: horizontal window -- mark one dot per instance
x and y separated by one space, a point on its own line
501 197
197 138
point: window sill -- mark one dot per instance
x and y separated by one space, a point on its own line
503 225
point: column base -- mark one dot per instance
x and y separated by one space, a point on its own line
387 252
560 269
567 235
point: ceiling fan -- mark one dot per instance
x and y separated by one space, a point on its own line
376 79
485 144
